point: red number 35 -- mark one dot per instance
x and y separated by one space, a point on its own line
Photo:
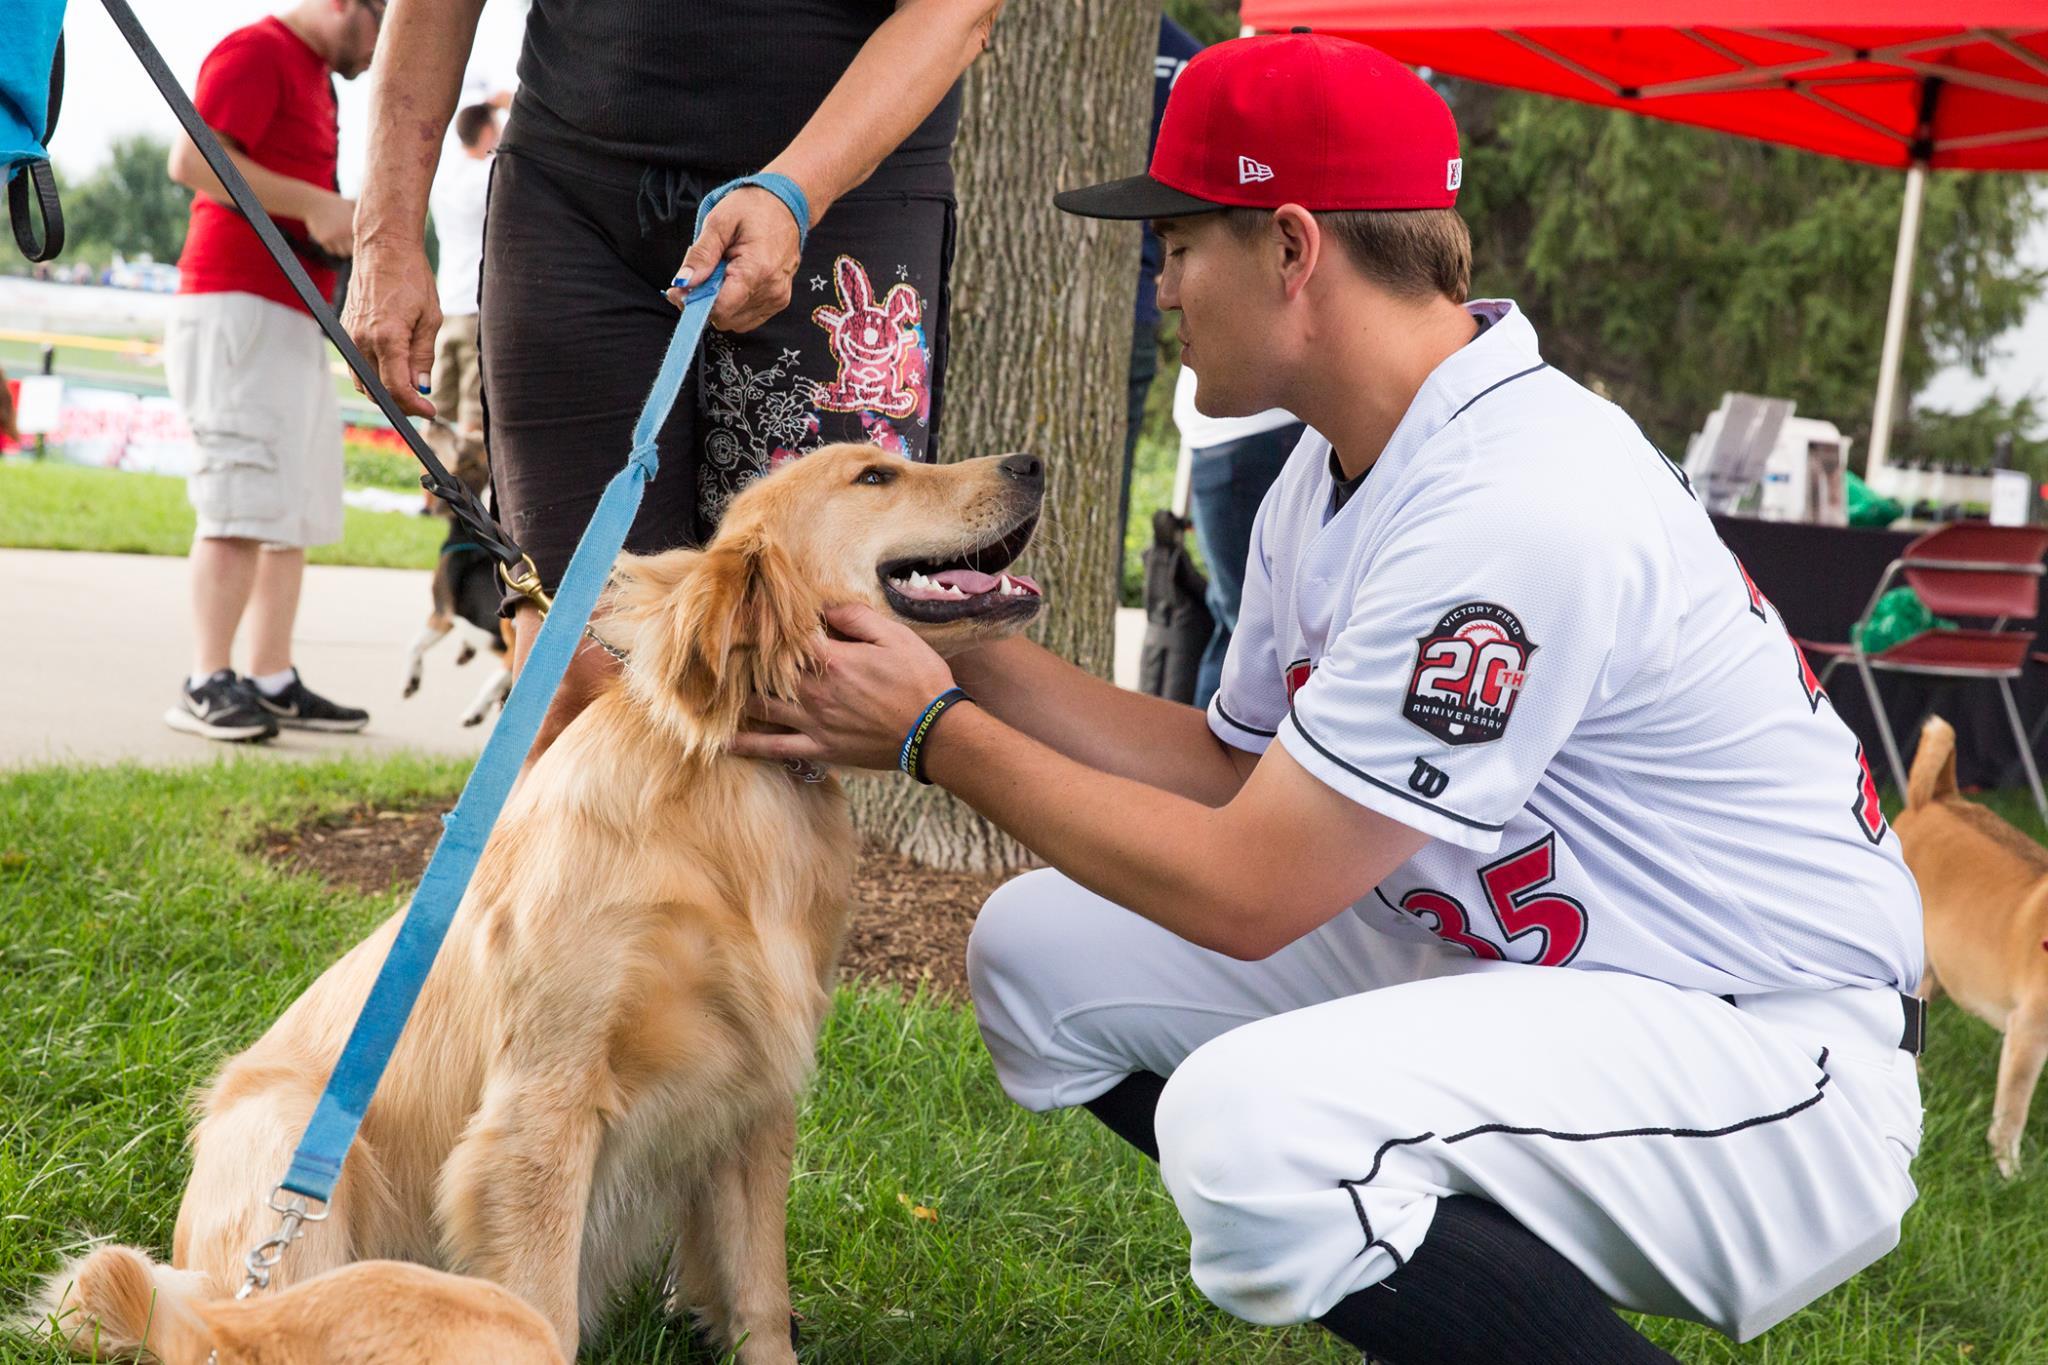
1514 889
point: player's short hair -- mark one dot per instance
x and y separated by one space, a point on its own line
471 120
1414 253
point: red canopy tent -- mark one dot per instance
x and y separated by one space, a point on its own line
1908 83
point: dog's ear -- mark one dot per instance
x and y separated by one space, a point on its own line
704 630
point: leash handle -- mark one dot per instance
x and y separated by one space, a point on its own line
438 480
781 186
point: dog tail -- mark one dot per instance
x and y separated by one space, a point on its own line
116 1302
1934 765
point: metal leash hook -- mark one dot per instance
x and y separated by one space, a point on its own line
264 1256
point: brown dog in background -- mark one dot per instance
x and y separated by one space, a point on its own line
464 585
602 1071
369 1313
1984 891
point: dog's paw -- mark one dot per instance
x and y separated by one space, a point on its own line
468 653
412 685
2005 1152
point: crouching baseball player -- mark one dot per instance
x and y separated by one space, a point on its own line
1518 933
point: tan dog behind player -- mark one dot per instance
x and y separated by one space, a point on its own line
1984 889
604 1064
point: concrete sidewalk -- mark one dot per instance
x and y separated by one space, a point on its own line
97 644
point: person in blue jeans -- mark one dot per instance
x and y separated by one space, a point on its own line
1236 460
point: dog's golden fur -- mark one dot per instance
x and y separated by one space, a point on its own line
606 1058
369 1313
1984 887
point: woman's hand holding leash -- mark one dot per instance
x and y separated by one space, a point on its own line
874 681
753 233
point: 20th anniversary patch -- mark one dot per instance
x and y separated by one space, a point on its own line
1468 672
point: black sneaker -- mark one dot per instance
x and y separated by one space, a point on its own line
222 707
299 707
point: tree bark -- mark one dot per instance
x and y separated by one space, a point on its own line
1041 336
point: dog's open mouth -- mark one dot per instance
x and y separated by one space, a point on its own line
971 584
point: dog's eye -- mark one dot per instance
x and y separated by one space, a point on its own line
876 475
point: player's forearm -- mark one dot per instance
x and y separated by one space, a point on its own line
898 77
1094 722
282 195
420 61
1173 860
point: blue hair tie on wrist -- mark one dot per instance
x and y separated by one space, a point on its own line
781 186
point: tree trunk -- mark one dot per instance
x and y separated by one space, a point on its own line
1041 336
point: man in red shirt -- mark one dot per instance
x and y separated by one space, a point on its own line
248 364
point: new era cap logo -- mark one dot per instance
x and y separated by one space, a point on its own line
1455 173
1250 171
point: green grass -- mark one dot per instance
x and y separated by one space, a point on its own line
49 506
139 941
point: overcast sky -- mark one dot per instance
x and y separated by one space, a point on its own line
109 95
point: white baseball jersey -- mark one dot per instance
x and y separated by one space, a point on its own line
1522 636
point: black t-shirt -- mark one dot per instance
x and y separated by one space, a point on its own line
714 85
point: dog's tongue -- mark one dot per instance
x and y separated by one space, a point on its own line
970 581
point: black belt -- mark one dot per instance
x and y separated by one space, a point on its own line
1914 1039
1913 1036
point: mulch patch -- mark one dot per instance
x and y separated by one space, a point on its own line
908 928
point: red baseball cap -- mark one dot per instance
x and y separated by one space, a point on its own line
1298 118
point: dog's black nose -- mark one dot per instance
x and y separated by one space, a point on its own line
1027 468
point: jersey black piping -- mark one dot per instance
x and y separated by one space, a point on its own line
1350 1187
1539 365
1430 806
1248 729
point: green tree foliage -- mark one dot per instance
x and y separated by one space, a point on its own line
1209 21
129 205
1974 437
1666 264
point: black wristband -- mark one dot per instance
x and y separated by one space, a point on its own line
911 758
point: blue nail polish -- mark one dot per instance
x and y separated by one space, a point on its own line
680 282
423 388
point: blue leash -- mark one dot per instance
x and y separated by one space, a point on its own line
317 1163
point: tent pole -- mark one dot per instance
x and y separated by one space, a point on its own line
1895 323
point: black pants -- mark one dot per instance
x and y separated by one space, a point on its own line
572 327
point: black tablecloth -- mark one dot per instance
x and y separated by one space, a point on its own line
1820 578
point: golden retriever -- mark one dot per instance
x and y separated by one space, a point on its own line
1984 892
604 1064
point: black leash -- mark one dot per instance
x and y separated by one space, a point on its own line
517 570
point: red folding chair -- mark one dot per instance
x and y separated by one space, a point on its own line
1965 569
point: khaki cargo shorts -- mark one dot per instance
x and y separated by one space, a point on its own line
251 376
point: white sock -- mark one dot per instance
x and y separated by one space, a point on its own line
274 684
197 681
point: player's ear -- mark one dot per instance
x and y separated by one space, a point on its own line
1296 244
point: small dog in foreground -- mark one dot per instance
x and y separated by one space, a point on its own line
1984 892
369 1313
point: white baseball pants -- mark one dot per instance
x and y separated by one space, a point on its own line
1696 1159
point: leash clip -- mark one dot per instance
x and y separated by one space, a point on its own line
525 580
264 1256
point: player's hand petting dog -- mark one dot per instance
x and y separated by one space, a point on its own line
873 679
